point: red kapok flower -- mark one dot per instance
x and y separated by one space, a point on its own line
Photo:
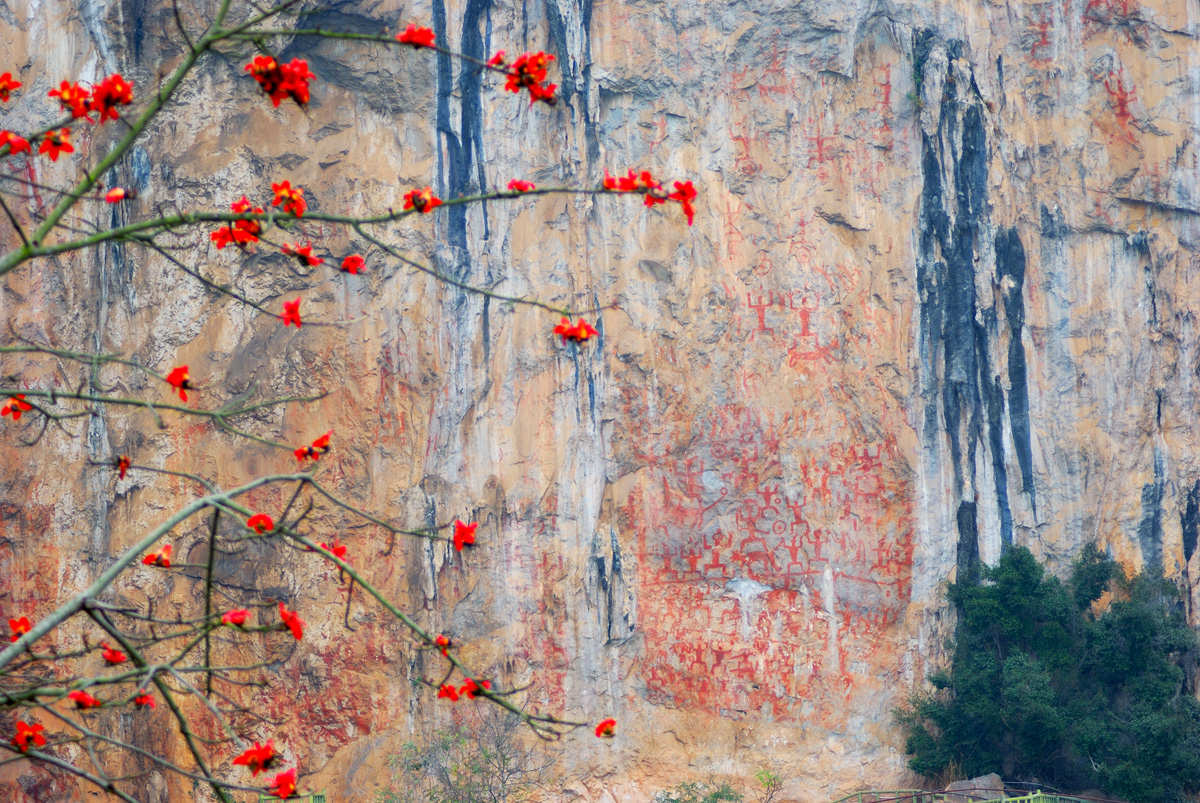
26 732
291 621
258 758
282 81
577 332
121 464
448 692
472 689
237 617
7 85
496 60
112 656
260 523
113 91
421 200
56 142
353 264
179 379
284 784
607 728
240 232
83 700
292 198
337 549
517 185
315 449
685 193
528 71
464 534
15 406
443 643
143 699
72 97
291 313
160 558
416 36
117 194
303 255
19 627
15 144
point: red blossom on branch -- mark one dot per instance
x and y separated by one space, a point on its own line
72 97
19 627
15 406
258 758
113 91
15 144
448 692
353 264
121 464
472 689
291 313
112 656
282 81
337 549
303 255
685 193
27 732
315 449
55 143
421 200
83 700
292 198
7 85
160 558
260 523
143 699
443 643
179 379
118 194
240 232
517 185
284 784
291 621
577 332
237 617
416 36
607 728
464 534
528 71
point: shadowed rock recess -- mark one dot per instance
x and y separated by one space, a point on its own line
939 300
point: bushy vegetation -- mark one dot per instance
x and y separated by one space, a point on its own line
1041 688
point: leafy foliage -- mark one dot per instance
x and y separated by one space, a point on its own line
1040 688
692 792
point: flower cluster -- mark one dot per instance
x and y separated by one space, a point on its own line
160 558
443 643
577 332
315 449
239 232
470 689
56 143
464 534
27 733
416 36
421 200
19 627
291 621
684 192
15 406
281 81
143 700
103 98
260 523
258 758
303 254
292 198
179 379
527 71
82 699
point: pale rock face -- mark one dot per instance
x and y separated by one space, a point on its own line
937 301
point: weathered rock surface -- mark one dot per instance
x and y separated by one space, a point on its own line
938 299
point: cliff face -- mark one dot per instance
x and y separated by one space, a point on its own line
937 301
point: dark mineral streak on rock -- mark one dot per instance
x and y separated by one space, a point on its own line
1190 521
1149 529
1010 274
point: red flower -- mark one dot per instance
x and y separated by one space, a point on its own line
112 656
291 621
353 264
161 558
118 194
83 699
237 617
260 523
15 406
19 627
528 71
281 81
577 333
315 449
122 465
415 36
57 142
179 379
685 193
284 784
448 692
303 255
464 534
421 200
7 85
291 313
472 689
496 60
337 549
143 700
517 185
113 91
258 758
26 732
72 97
607 728
443 643
15 144
291 197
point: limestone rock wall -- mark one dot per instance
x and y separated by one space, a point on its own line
937 301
